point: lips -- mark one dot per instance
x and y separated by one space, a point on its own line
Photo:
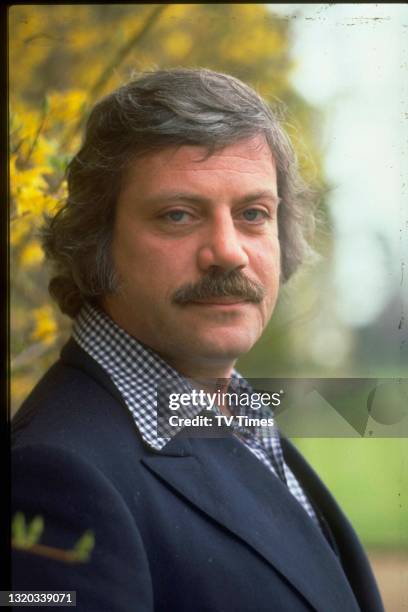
219 301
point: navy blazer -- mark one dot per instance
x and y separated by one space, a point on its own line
200 526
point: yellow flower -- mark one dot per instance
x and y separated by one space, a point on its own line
27 178
65 106
178 44
20 386
27 125
29 190
177 11
13 169
30 200
45 329
19 228
63 190
32 254
42 150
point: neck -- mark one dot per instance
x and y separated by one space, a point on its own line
209 377
216 372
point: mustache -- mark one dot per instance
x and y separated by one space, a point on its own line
224 284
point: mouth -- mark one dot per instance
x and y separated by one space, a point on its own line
220 301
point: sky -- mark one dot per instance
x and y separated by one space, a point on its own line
352 63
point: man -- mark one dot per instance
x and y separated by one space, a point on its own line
183 217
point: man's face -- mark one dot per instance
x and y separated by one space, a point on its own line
181 220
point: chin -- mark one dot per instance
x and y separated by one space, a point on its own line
220 347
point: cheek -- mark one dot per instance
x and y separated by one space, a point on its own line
154 267
267 264
169 261
138 254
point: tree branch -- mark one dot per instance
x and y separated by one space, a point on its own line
117 60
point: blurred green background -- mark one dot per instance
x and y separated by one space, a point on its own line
343 315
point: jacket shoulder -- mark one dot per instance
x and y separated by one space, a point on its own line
76 406
74 499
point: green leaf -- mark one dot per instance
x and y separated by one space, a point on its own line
34 531
84 546
18 529
59 162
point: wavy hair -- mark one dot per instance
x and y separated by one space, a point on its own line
162 108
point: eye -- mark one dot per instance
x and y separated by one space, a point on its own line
255 215
178 216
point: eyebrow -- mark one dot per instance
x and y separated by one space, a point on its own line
197 199
261 195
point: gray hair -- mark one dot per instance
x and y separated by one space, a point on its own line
158 109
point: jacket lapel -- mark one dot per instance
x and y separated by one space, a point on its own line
222 478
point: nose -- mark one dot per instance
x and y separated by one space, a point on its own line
222 248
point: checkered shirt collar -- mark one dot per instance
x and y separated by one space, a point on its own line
136 370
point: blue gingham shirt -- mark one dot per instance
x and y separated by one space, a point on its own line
138 372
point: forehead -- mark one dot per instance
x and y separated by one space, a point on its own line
244 160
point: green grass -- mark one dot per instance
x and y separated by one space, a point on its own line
369 479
